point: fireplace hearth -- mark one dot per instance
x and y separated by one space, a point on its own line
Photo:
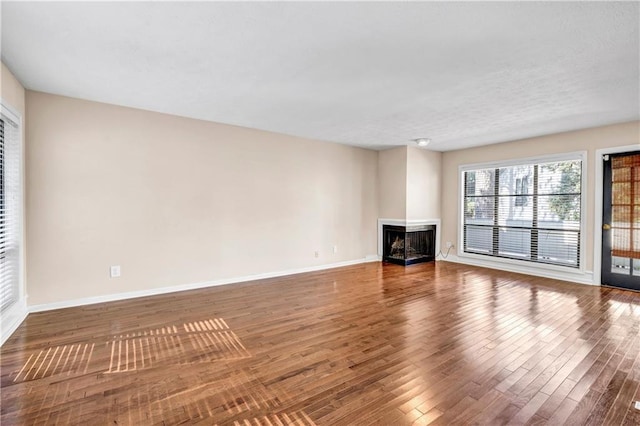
405 245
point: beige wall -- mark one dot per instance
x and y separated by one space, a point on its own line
409 183
11 90
423 183
177 201
584 140
392 183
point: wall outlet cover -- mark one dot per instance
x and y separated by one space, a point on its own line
114 271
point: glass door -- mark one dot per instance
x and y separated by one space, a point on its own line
621 221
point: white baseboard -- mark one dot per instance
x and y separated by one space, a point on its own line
585 277
11 320
193 286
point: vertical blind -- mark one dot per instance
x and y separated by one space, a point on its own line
625 206
529 212
9 213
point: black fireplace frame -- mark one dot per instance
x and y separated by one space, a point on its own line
409 233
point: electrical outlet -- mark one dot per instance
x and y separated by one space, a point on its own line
335 249
317 254
449 244
114 271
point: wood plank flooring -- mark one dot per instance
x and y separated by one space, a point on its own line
437 343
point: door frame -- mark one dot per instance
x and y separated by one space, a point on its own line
597 218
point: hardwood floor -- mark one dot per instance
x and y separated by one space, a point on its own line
367 344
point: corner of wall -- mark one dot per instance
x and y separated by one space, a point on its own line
424 176
11 90
392 183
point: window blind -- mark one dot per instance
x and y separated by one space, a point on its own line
625 206
529 212
10 221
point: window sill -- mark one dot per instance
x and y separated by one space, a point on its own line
577 275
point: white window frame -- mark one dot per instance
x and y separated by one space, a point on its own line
16 314
525 265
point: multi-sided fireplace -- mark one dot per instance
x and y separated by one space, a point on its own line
406 245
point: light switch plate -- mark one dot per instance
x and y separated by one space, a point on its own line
114 271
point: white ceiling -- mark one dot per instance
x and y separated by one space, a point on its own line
367 74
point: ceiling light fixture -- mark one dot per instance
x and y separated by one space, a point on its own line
422 141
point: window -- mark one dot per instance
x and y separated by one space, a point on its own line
522 189
528 211
10 190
